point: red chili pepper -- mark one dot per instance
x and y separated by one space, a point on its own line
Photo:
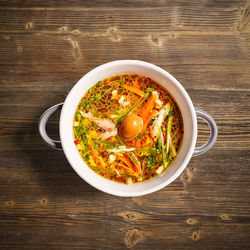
76 142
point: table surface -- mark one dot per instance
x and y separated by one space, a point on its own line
47 46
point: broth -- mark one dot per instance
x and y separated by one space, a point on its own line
128 128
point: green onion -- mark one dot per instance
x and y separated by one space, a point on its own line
167 145
161 142
126 113
131 155
109 145
139 136
95 145
87 157
103 169
149 90
134 159
146 149
108 171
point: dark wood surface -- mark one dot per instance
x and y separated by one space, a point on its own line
47 46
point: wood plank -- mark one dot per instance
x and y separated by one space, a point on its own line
46 47
214 213
71 4
192 18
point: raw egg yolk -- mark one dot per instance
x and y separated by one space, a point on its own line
131 126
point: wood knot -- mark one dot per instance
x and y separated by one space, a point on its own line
6 37
19 50
186 179
196 235
44 201
225 217
113 33
176 22
74 44
173 34
67 38
244 19
63 29
132 237
189 175
75 32
192 221
10 203
28 25
129 216
76 53
156 40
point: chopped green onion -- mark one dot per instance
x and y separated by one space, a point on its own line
108 171
131 155
161 142
169 127
126 113
146 149
149 90
139 136
134 159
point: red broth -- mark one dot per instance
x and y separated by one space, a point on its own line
128 128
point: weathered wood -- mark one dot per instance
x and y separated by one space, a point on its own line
46 47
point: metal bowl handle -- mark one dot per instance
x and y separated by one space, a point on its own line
213 132
42 126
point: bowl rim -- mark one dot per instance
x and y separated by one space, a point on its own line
190 150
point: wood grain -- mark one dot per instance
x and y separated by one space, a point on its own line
46 47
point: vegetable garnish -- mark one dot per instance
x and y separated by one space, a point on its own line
161 142
127 128
170 119
131 109
134 90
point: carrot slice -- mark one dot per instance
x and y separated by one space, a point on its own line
136 84
149 105
128 163
147 119
133 89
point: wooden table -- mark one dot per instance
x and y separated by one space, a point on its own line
47 46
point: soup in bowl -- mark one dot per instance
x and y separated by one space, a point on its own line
128 128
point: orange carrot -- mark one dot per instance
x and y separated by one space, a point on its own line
136 84
149 105
124 160
133 89
147 119
128 163
109 82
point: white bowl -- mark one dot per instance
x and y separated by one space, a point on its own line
175 89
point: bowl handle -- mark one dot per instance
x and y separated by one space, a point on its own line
213 132
42 126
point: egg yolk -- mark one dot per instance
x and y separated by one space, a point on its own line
131 126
